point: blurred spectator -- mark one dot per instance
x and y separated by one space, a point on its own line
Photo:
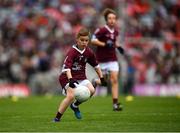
35 34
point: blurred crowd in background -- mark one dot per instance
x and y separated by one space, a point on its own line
36 34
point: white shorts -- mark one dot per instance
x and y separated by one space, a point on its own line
109 66
81 82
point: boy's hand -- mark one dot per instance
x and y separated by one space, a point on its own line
109 44
121 50
103 82
72 83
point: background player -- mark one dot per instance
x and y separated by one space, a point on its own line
106 40
73 72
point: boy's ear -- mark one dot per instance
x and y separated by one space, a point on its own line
76 39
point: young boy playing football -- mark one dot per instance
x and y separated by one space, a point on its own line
106 39
73 73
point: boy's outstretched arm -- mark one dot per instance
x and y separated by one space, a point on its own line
100 75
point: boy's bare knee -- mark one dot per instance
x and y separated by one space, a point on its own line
70 96
114 80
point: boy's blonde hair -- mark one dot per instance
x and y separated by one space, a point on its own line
83 32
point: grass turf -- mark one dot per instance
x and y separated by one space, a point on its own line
153 114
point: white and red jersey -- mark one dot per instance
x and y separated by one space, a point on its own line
76 60
103 34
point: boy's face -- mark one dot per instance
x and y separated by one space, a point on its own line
82 42
111 20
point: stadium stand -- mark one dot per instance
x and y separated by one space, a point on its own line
35 35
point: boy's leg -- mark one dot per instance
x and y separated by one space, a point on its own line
91 88
64 104
75 105
115 90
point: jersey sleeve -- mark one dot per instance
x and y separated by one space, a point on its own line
68 62
97 34
92 59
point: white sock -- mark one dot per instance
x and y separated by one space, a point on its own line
74 105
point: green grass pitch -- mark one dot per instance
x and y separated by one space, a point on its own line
152 114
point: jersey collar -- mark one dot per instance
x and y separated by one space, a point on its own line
110 30
80 51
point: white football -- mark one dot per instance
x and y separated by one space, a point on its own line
82 93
